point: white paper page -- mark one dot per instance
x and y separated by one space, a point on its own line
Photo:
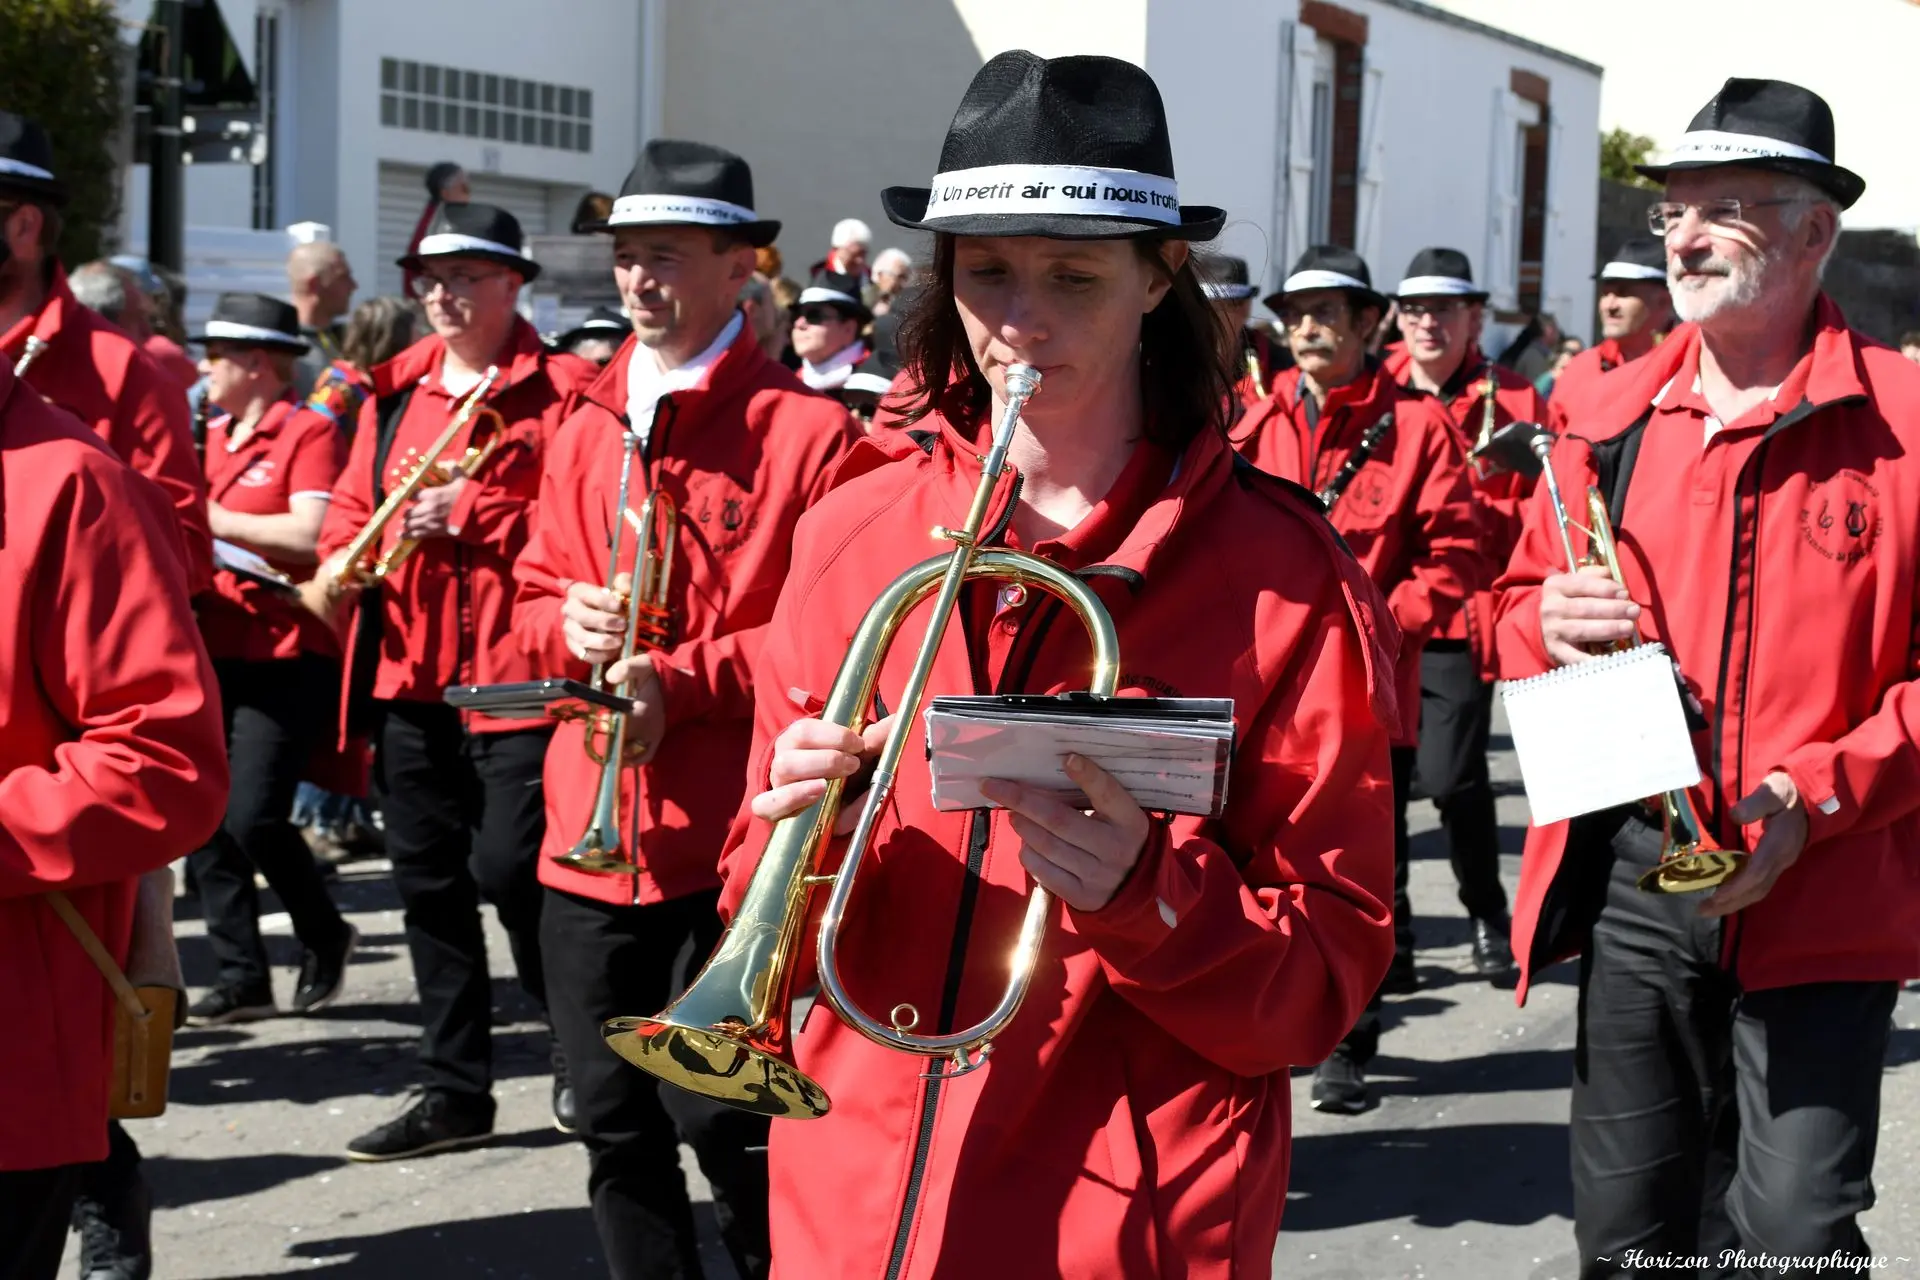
1599 734
1165 772
238 559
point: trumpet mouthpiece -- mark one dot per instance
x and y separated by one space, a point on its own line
1022 381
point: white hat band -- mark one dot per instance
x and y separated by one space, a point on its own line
1631 271
1229 291
449 242
641 210
21 168
1435 287
1727 148
871 383
1301 281
228 331
1054 188
812 295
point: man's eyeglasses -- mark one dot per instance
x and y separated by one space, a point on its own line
1438 309
460 284
1723 212
1327 315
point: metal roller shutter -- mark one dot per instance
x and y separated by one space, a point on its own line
403 194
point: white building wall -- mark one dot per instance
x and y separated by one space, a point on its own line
1663 63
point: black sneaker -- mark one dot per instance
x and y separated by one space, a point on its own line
114 1243
1492 953
323 976
437 1121
231 1004
566 1113
1402 978
1340 1086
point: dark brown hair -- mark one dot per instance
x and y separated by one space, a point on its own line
1184 385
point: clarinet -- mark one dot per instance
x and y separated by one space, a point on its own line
1369 441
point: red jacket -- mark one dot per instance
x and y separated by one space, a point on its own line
1814 497
1499 495
1134 1119
99 375
741 456
1408 513
291 452
169 355
448 611
112 757
1576 385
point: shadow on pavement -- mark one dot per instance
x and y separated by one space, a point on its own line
549 1244
178 1182
312 1071
1506 1174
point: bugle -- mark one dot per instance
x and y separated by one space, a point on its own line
728 1035
600 849
1688 861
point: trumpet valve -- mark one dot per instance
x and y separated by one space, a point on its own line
958 537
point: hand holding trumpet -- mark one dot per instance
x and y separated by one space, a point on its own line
593 621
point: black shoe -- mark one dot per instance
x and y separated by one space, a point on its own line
231 1004
566 1114
1402 979
323 976
436 1122
1340 1086
114 1243
1492 953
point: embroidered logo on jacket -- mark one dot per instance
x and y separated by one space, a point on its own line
1842 517
257 476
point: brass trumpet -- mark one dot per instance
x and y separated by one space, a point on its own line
727 1036
1477 454
656 529
359 565
1688 863
31 352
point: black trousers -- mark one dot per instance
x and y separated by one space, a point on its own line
1456 717
1363 1042
35 1206
1707 1120
604 961
276 712
465 815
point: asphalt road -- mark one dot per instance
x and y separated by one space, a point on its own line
1458 1172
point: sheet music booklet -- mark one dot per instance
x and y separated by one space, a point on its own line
1601 733
252 567
1172 754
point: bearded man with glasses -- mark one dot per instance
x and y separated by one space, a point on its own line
464 810
1762 467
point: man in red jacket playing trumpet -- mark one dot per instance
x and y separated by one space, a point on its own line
1762 466
691 410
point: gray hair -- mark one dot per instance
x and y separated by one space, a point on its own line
897 259
102 287
756 292
1789 186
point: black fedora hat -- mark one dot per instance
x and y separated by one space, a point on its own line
1072 148
252 320
833 289
1639 258
601 322
26 160
1440 273
1763 124
1224 277
1326 266
689 184
473 231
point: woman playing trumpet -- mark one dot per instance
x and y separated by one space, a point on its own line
1136 1109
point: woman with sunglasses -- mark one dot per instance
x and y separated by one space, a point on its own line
1136 1111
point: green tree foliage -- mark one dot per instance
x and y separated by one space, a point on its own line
60 64
1619 152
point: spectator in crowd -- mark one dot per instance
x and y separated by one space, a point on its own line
892 276
321 285
851 242
1910 345
447 183
1569 348
593 210
597 337
165 330
826 332
767 317
1534 350
114 293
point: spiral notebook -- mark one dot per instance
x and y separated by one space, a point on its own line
1600 733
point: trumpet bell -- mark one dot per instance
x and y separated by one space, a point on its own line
727 1062
1692 870
599 862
